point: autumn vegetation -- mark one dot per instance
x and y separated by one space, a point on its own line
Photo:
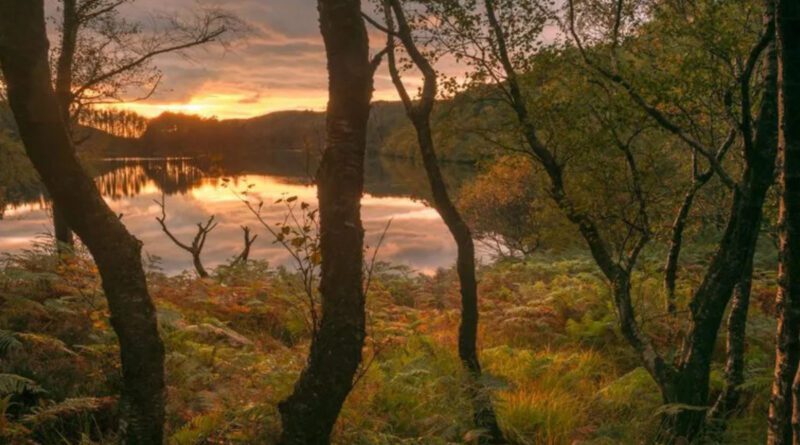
627 267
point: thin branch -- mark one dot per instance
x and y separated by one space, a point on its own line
664 121
384 29
376 60
205 38
248 243
744 81
371 266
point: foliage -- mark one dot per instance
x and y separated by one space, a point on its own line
554 361
556 364
508 210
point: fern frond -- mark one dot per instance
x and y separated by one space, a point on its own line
45 341
67 409
8 342
12 384
198 429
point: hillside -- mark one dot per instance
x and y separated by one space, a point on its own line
174 134
457 129
458 126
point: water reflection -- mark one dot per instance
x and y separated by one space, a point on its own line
125 178
193 190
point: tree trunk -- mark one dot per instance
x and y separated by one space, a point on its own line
420 115
483 411
676 242
785 410
787 343
64 238
309 414
728 400
198 265
729 265
709 305
63 88
23 57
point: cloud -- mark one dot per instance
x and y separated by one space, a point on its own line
279 63
280 57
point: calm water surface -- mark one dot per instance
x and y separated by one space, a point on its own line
194 191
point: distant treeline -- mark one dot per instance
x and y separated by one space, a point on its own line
389 133
176 134
119 133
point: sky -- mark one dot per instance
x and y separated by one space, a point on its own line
278 65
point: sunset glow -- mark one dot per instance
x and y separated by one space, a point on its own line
230 105
227 105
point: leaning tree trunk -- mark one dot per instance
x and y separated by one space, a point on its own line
63 89
784 410
691 383
24 61
483 411
420 115
676 239
309 414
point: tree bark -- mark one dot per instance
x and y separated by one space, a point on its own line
420 115
729 264
784 424
63 89
309 414
678 229
728 400
483 411
23 57
676 243
63 234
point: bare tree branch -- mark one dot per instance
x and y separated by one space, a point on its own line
199 241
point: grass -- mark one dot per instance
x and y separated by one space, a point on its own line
557 367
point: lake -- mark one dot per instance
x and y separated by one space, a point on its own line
194 190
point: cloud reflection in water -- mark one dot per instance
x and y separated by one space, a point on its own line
417 237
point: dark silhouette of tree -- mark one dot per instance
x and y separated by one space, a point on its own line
23 57
419 112
784 413
699 180
121 123
308 415
103 58
249 239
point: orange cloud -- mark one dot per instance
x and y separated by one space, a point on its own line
240 105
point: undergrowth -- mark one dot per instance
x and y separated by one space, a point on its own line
556 365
